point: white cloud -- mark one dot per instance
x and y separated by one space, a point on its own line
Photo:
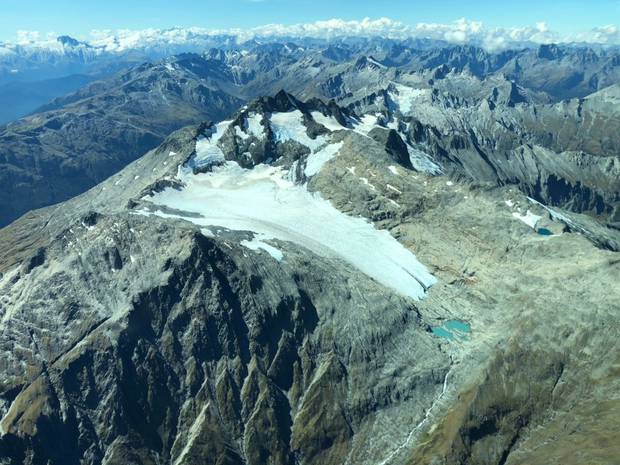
26 37
461 31
603 35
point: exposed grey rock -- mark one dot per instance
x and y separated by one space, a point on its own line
131 334
394 145
140 339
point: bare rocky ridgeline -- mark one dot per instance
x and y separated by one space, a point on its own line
137 330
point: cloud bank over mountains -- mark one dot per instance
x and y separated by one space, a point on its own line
461 31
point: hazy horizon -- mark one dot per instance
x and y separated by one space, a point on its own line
47 19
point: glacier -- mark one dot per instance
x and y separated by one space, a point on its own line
264 200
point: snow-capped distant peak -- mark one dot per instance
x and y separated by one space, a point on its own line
69 41
195 39
372 61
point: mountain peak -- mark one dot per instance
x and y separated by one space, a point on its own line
550 52
281 102
368 62
69 41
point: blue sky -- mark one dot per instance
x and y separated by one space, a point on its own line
79 17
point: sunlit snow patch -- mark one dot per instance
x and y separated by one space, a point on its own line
315 161
528 218
207 151
422 162
376 63
366 124
290 126
329 122
404 97
251 127
254 125
257 243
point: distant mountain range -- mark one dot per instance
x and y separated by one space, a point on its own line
75 141
34 69
34 56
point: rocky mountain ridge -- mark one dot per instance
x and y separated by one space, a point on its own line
156 319
83 138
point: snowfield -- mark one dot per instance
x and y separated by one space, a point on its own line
315 161
207 150
290 126
329 122
252 126
257 244
422 161
262 200
528 218
405 97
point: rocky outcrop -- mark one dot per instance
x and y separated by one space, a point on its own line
547 150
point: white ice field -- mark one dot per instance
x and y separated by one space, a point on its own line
262 200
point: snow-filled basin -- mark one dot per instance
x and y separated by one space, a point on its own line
263 201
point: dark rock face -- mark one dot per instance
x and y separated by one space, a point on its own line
41 169
227 359
394 145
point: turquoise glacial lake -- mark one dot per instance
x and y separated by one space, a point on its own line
453 330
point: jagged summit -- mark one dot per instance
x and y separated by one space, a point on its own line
284 102
285 131
281 102
68 41
508 94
